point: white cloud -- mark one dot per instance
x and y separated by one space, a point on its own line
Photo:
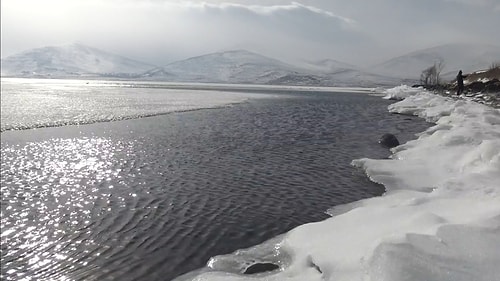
484 3
294 7
166 29
159 31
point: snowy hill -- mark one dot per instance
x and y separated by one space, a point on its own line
468 57
330 66
337 73
74 60
361 78
239 66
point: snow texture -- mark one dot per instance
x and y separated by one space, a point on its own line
438 220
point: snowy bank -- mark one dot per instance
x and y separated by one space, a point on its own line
438 220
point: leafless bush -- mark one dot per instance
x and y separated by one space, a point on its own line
430 76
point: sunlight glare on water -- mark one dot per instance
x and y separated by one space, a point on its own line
154 198
60 191
32 103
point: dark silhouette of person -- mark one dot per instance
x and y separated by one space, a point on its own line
460 82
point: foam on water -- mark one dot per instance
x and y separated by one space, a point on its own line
438 220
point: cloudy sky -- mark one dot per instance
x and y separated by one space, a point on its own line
161 31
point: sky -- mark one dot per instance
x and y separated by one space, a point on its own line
360 32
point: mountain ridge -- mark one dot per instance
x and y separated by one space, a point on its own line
234 66
70 60
455 56
243 66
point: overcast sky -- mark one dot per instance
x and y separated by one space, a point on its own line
161 31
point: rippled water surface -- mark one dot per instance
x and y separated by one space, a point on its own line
153 198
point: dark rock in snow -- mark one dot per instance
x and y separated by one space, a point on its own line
493 86
389 140
260 268
476 86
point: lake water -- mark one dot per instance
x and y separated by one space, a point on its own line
151 198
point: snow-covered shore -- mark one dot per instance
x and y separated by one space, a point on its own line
438 220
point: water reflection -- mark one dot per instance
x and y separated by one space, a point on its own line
52 191
153 198
27 103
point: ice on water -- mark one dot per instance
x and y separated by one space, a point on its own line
438 220
32 103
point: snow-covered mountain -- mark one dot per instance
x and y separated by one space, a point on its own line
468 57
336 73
75 60
329 66
241 66
362 78
237 66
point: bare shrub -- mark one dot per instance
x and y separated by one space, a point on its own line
430 75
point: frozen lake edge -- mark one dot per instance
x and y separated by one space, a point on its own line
440 216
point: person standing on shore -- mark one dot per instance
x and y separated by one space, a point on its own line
460 82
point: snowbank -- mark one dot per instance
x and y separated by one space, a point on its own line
439 219
400 92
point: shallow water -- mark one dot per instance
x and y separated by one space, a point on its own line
153 198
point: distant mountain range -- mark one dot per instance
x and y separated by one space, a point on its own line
241 66
466 57
74 60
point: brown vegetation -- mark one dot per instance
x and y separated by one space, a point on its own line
483 75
